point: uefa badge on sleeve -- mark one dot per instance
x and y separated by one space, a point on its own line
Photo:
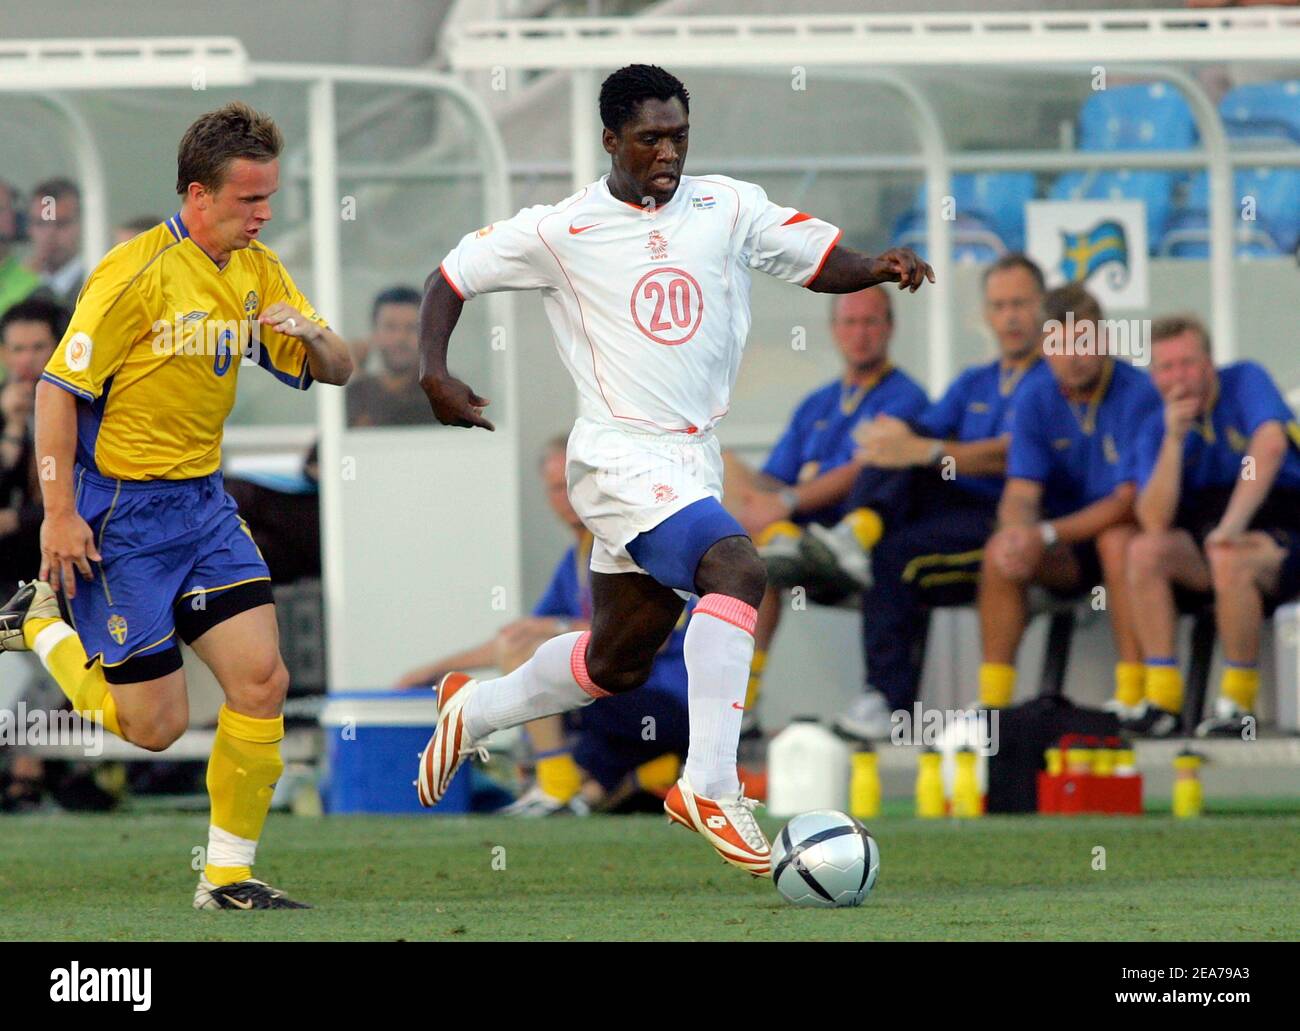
78 353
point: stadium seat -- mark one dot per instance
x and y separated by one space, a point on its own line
997 198
973 240
1277 201
1274 231
1154 188
1142 116
1263 114
1187 235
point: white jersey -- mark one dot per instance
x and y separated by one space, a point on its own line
649 308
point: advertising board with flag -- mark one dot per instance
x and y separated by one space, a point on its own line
1100 243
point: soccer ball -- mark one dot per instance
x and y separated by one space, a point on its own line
824 858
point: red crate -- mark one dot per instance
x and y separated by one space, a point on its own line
1086 792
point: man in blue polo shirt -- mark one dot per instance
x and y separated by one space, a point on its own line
926 501
1218 477
812 468
1066 514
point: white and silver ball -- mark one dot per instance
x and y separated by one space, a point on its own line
825 858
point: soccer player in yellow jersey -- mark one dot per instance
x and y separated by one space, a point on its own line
129 418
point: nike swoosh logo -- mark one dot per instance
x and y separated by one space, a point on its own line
735 705
575 230
248 904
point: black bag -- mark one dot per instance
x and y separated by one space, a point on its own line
1025 733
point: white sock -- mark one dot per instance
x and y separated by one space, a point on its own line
226 849
719 647
553 680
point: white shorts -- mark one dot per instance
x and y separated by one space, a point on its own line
623 483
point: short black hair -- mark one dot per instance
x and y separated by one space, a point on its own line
1015 259
37 309
57 186
394 295
628 87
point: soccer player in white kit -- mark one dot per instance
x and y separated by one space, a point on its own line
645 278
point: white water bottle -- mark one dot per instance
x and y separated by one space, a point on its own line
807 768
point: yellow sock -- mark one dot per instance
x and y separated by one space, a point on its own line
997 684
1241 684
1165 686
755 685
1129 682
64 656
867 527
242 771
559 776
658 774
780 528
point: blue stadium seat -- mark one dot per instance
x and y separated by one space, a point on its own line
1277 204
1155 188
1263 113
1187 235
1142 116
1277 201
973 240
998 198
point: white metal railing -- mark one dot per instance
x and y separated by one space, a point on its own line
1253 34
99 64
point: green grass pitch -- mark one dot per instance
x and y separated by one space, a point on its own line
128 877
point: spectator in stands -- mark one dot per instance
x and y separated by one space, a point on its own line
283 513
133 227
29 332
926 500
16 279
54 227
1066 514
1218 477
809 473
394 396
611 755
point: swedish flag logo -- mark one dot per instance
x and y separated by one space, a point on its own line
1083 253
117 628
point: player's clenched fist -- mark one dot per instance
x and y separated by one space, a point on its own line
1180 412
904 267
66 542
286 319
454 403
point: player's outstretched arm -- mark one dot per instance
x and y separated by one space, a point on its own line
453 402
847 271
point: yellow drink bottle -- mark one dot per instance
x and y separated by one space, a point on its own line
1188 795
966 801
864 785
929 785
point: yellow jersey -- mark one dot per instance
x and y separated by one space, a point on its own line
154 347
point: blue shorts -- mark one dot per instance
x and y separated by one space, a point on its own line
176 561
671 551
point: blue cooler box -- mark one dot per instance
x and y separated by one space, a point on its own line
373 745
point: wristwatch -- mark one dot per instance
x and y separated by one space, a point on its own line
1049 533
936 453
789 498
